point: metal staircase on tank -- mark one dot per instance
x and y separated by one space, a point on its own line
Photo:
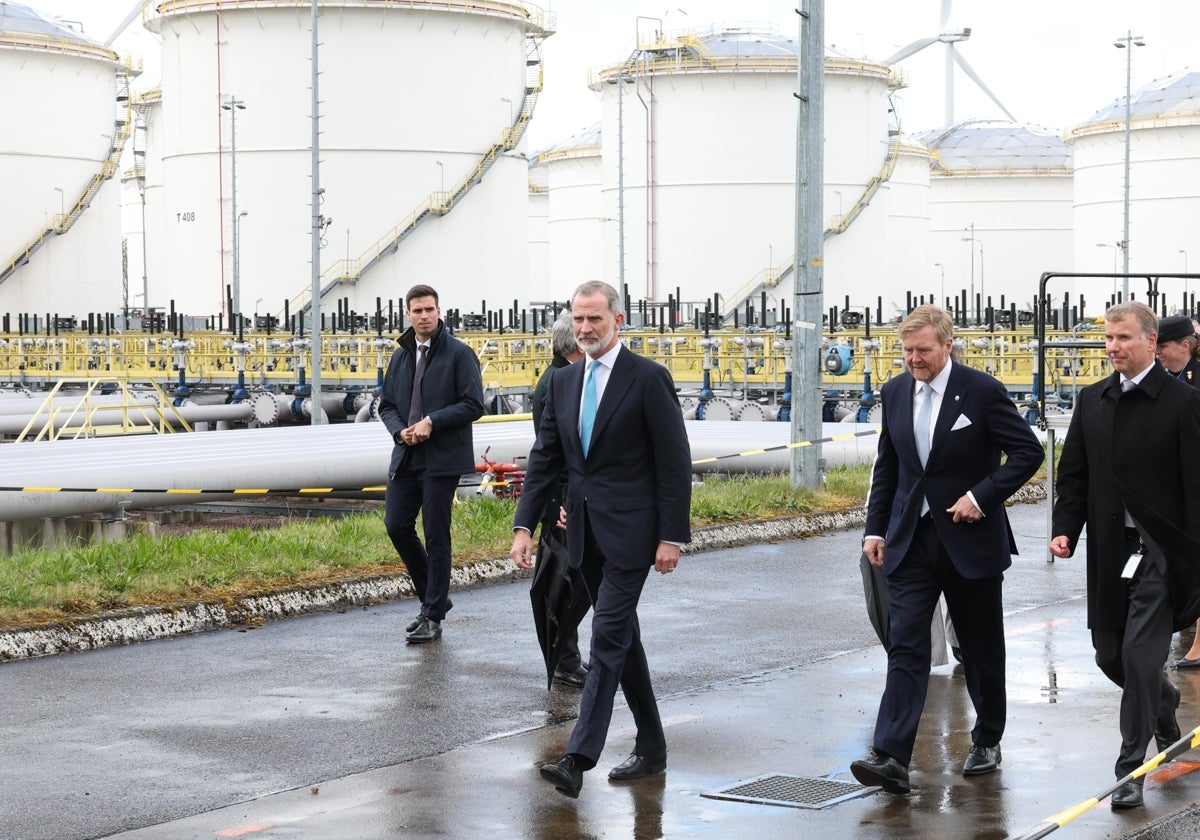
771 276
60 223
441 203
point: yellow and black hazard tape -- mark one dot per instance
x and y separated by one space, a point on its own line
310 491
1057 821
797 445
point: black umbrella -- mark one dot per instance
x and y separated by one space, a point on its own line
875 590
559 597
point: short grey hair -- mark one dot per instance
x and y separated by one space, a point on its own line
1145 316
591 287
562 335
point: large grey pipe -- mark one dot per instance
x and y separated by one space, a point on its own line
348 456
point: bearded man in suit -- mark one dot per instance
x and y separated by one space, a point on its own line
614 423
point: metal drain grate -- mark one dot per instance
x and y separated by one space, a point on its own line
791 791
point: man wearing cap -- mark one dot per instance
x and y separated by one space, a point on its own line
1130 471
1176 351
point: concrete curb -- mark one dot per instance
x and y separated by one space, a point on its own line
143 624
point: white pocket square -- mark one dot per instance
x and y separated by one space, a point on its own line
961 423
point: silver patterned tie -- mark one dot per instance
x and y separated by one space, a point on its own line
923 416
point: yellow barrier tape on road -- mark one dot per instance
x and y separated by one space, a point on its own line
1057 821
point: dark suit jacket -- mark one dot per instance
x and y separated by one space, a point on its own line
451 396
1138 452
962 459
635 486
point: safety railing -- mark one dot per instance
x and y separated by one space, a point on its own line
86 417
60 223
438 203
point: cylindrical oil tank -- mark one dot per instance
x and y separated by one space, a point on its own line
1000 210
708 157
421 106
539 231
1164 185
65 119
578 225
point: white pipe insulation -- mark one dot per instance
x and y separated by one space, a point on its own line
348 456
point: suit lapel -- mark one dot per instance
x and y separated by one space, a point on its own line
951 408
573 397
620 380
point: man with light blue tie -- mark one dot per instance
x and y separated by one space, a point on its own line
615 424
936 524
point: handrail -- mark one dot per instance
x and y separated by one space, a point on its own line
438 203
771 277
58 421
60 223
538 19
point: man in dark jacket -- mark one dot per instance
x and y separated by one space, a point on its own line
432 393
1130 470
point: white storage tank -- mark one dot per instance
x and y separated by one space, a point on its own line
709 127
578 225
539 230
1164 185
1000 210
417 99
66 109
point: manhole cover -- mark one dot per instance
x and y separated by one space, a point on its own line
791 791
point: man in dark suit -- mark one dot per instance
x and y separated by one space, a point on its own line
936 524
432 393
1130 471
569 670
613 420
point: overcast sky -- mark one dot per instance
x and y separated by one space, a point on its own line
1051 62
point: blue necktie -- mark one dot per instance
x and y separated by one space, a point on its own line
922 427
587 415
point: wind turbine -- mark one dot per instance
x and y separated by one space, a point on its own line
952 57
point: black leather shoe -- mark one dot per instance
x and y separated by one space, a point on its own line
637 767
412 625
981 760
575 678
427 630
565 775
880 770
416 622
1128 795
1167 734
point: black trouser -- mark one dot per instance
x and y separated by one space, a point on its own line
1133 657
410 492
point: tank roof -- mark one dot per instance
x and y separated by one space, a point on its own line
16 17
583 143
1174 95
737 41
995 145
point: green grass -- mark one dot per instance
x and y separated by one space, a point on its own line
65 580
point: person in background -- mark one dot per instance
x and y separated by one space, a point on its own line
1130 471
569 669
936 524
432 393
1178 350
614 422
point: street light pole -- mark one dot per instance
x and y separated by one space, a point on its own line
942 302
1116 250
1127 43
233 106
971 239
62 204
1185 280
442 175
237 260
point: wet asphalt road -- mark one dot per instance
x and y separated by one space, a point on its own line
103 742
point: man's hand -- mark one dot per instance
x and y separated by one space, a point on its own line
522 549
964 510
562 518
1060 546
418 432
874 551
666 558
